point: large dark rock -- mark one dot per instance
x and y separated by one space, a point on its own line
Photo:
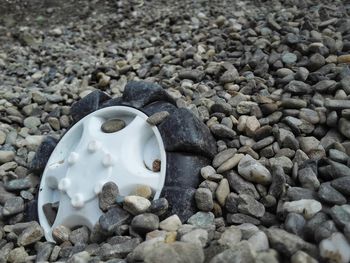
182 169
114 218
88 104
158 106
140 93
43 154
183 132
181 201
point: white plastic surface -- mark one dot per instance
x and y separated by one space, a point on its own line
86 158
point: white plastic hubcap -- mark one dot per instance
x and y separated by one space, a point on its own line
86 158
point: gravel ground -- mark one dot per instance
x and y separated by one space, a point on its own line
270 79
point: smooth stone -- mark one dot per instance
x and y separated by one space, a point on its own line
223 156
113 218
136 204
295 223
157 117
61 234
325 230
239 218
113 125
207 171
241 186
253 171
344 127
12 206
341 184
79 235
6 156
240 252
144 191
230 163
222 131
30 235
340 214
302 257
222 191
298 87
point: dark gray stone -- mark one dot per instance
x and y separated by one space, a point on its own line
325 230
342 185
159 206
182 131
108 195
145 223
340 214
88 104
295 224
140 93
113 218
239 218
328 194
42 154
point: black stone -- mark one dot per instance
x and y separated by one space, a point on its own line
42 154
140 93
158 106
184 132
182 169
181 201
88 104
31 211
114 218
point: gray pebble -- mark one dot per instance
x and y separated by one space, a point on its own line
113 125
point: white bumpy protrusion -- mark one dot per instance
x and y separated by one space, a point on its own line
86 158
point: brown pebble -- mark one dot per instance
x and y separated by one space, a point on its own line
156 165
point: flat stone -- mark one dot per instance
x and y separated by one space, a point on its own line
79 235
230 163
61 234
223 156
201 219
18 184
298 87
241 186
113 125
222 131
239 218
341 184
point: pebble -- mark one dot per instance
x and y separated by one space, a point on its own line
248 205
157 117
61 234
340 214
253 171
222 191
144 191
79 236
145 223
259 241
230 237
295 224
328 194
136 204
108 195
222 131
335 248
240 252
201 219
113 125
17 255
171 223
204 199
341 184
223 156
197 236
13 206
6 156
307 207
30 235
230 163
302 257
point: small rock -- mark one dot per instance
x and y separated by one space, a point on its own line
253 171
17 255
222 191
136 204
248 205
30 235
158 117
204 199
79 236
13 206
6 156
145 223
142 190
328 194
302 257
159 206
113 125
197 236
113 218
295 223
61 234
259 241
335 249
340 214
172 223
231 236
240 252
306 207
108 195
201 219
